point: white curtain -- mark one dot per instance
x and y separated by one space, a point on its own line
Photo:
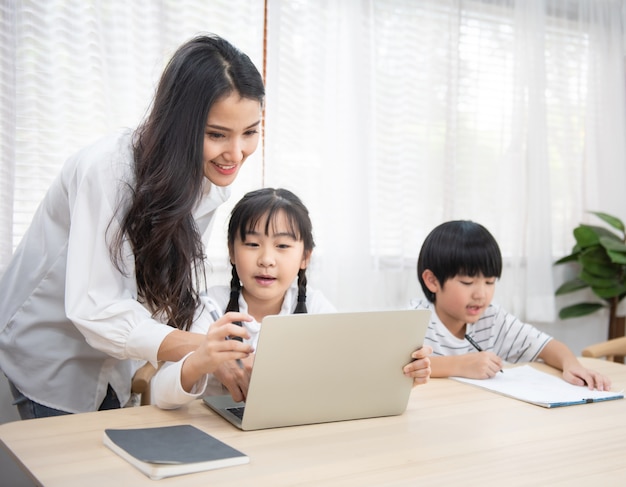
390 117
387 117
72 71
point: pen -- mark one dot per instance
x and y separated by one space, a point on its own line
475 345
216 316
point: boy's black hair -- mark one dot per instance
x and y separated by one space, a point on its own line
459 247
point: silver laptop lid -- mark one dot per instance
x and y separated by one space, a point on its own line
314 368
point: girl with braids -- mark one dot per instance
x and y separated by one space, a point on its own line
270 242
110 270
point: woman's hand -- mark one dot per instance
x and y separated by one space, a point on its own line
218 348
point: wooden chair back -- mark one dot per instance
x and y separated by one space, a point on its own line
141 382
613 350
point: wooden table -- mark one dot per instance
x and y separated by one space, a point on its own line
451 434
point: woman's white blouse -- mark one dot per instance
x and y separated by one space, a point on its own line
69 319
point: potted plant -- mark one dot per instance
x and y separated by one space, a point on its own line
601 256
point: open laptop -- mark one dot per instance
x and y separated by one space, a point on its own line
316 368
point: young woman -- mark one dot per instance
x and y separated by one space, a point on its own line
111 267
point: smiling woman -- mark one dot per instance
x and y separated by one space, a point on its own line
232 134
122 270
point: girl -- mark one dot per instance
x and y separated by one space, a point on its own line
270 242
110 268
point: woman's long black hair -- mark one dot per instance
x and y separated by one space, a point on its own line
169 174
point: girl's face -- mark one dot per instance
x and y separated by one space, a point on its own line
463 299
268 264
231 135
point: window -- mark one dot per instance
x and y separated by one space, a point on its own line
386 117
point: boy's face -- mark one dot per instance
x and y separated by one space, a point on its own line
462 299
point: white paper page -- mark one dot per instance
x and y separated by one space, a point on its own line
531 385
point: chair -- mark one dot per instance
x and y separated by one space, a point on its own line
140 384
609 349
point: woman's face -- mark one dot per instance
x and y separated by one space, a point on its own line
231 135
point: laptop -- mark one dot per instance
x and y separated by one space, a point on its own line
317 368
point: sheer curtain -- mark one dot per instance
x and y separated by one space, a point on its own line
390 117
387 117
75 70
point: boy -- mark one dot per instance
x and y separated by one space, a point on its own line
471 337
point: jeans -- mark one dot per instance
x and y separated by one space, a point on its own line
29 409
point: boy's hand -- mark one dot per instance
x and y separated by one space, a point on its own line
580 376
480 365
419 367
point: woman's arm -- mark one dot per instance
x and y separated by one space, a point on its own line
178 344
177 383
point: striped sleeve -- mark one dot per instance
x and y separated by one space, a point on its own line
512 339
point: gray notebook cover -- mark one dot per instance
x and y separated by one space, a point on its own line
179 444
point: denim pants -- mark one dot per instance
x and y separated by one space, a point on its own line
29 409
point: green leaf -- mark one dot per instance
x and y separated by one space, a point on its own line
615 249
571 286
580 309
616 257
599 282
585 236
612 243
608 292
568 258
596 262
589 235
611 220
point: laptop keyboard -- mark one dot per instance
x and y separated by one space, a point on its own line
238 411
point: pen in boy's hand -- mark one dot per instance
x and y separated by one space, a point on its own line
216 316
475 345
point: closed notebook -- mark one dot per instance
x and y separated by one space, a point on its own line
172 450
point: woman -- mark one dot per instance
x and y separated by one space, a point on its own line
111 267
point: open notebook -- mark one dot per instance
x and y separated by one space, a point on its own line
315 368
533 386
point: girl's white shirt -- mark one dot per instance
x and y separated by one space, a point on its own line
70 322
167 391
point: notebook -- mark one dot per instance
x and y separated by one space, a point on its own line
528 384
171 450
317 368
